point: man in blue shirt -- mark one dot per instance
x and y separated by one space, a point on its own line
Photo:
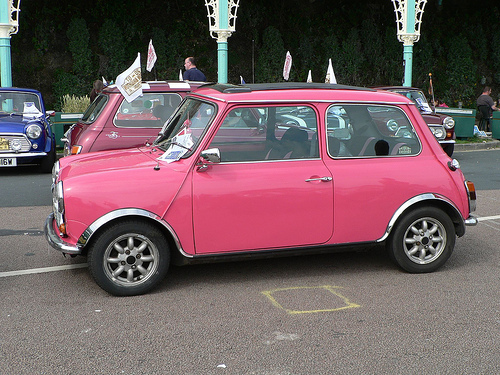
192 73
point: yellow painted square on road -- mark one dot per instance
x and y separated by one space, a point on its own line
307 300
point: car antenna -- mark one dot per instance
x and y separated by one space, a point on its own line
157 166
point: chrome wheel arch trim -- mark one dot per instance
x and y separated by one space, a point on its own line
123 213
418 199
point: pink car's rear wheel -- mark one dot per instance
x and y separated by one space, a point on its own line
422 240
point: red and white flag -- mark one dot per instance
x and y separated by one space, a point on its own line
151 56
288 66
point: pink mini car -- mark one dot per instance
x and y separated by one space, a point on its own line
110 122
260 170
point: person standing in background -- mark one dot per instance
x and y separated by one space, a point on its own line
486 106
96 89
192 73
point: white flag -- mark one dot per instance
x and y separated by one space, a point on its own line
104 82
242 81
151 56
309 77
288 66
330 75
180 75
130 81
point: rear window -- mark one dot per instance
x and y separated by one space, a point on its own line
147 111
95 109
370 131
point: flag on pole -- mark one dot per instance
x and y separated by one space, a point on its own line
104 82
242 81
130 81
151 56
180 75
288 66
330 75
309 77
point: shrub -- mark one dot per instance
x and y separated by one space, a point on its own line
75 104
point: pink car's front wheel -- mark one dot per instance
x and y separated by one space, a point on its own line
129 258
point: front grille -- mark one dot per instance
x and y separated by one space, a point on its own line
7 140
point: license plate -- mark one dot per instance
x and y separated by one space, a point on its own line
4 144
8 162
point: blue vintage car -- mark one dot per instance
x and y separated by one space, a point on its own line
25 133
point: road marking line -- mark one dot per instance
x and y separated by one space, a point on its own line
488 218
328 288
43 270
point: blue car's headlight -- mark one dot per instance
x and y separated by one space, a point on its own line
34 131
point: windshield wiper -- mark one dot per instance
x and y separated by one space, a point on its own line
172 142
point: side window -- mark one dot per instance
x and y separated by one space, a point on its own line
369 131
148 111
94 110
267 133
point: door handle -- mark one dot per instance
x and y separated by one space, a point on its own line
325 179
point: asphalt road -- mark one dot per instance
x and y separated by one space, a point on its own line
336 313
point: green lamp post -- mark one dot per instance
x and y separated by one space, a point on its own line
9 24
222 20
408 19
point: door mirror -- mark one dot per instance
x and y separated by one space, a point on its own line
212 155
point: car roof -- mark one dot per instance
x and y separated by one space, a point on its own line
20 89
399 88
297 91
166 86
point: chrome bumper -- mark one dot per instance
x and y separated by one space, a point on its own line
56 242
23 154
470 221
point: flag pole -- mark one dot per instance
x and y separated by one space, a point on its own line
432 91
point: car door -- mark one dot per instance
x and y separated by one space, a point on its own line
255 204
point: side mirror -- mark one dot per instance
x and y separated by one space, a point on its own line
210 156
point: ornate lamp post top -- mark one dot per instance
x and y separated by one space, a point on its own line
9 25
222 16
222 21
9 21
408 19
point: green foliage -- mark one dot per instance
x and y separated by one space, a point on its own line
57 46
351 60
174 55
67 84
112 43
75 104
461 73
78 44
271 57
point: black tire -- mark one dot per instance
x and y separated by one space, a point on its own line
129 258
48 162
449 148
422 240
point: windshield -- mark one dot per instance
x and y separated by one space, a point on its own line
95 108
419 99
20 103
181 135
